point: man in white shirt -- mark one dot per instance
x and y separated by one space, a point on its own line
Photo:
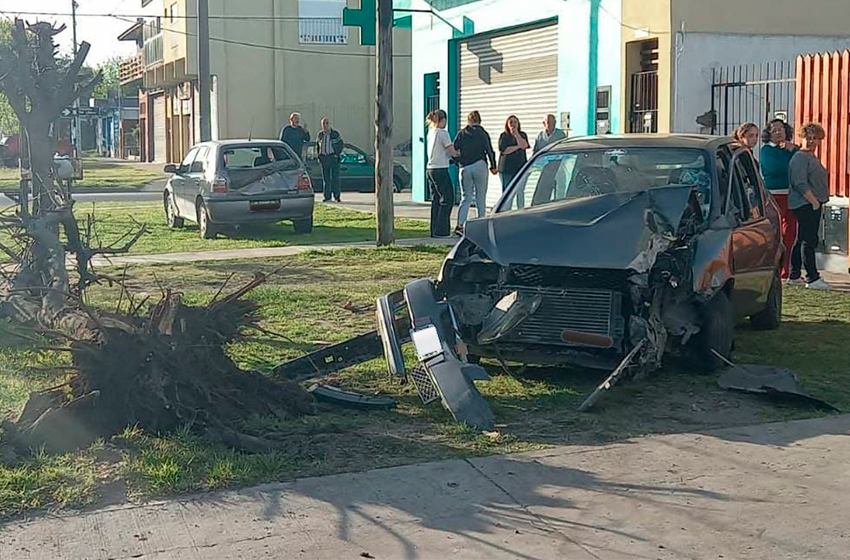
549 134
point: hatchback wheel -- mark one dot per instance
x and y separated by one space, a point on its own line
303 226
771 316
717 332
172 220
397 185
208 230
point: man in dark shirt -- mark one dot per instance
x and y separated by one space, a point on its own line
295 134
476 150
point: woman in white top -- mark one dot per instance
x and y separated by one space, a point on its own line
440 152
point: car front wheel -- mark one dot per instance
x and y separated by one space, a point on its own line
717 332
172 220
771 316
208 230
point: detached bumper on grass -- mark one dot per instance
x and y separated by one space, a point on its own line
434 332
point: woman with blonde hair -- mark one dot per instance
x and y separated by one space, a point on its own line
809 192
440 152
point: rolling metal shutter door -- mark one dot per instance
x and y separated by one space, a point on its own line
509 74
159 153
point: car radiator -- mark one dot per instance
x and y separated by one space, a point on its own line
595 312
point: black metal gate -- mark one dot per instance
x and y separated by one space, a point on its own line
643 102
755 93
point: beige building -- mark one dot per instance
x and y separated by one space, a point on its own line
672 50
267 60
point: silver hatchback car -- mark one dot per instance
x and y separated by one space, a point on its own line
237 182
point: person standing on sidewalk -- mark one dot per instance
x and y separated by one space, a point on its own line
329 145
440 152
513 144
295 135
549 134
775 158
475 149
809 191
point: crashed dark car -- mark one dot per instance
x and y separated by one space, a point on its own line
603 250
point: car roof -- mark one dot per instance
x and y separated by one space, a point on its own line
700 141
237 142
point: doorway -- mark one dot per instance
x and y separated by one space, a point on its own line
432 103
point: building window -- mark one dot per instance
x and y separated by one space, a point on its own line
320 22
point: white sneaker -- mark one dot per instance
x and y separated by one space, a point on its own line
795 282
818 284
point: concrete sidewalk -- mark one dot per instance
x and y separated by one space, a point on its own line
256 253
763 492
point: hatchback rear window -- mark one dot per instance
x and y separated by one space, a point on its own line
252 157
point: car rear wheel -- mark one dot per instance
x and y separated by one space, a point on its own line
208 230
397 185
172 220
303 226
716 333
771 316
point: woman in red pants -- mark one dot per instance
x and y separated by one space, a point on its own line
775 157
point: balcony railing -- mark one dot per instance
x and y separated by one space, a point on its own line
153 50
131 69
322 31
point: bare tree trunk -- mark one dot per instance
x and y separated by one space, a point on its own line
384 125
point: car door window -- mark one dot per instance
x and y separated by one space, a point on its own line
722 159
199 165
186 166
752 186
740 200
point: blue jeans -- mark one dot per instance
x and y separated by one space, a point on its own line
473 183
507 177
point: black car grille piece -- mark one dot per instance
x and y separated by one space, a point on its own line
596 312
424 384
565 277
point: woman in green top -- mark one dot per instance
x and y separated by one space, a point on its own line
775 157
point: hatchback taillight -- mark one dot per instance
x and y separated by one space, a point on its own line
304 183
219 185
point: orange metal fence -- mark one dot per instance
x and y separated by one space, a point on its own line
823 96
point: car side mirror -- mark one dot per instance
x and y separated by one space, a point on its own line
170 168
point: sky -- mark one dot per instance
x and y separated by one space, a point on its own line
100 32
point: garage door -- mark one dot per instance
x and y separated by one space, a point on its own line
509 74
159 153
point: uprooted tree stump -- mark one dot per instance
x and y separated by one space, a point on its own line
162 370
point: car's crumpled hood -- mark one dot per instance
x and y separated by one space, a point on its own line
607 231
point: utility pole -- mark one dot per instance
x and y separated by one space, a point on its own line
384 125
204 69
76 117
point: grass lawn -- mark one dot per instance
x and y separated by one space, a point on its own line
331 225
534 409
100 174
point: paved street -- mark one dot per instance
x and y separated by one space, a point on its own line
764 492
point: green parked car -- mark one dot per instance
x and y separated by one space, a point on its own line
356 171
